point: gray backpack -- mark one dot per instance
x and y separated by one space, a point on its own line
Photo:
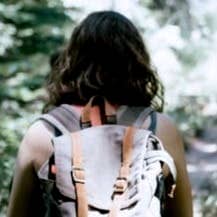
110 170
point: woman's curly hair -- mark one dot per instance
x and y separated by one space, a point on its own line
105 56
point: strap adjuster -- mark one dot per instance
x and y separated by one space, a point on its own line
120 185
78 175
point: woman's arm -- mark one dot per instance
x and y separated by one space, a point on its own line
181 204
34 150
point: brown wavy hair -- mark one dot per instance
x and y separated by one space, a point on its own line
105 56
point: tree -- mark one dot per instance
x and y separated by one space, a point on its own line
30 32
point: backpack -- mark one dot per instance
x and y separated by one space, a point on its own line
109 170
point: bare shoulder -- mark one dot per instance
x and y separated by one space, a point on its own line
38 131
169 134
172 140
34 150
166 125
36 146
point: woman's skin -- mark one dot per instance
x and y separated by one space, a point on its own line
36 148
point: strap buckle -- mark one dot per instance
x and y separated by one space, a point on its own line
78 175
120 186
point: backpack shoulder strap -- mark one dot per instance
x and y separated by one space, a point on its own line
59 129
143 116
54 123
63 122
67 116
63 119
153 125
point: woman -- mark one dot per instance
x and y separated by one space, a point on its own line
105 56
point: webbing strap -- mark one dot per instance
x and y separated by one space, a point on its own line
78 176
67 116
153 125
142 117
54 122
139 123
122 181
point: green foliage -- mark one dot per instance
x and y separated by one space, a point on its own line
30 32
180 36
208 200
36 29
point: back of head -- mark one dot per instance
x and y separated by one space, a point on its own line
105 56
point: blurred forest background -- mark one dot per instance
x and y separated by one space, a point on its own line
182 38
